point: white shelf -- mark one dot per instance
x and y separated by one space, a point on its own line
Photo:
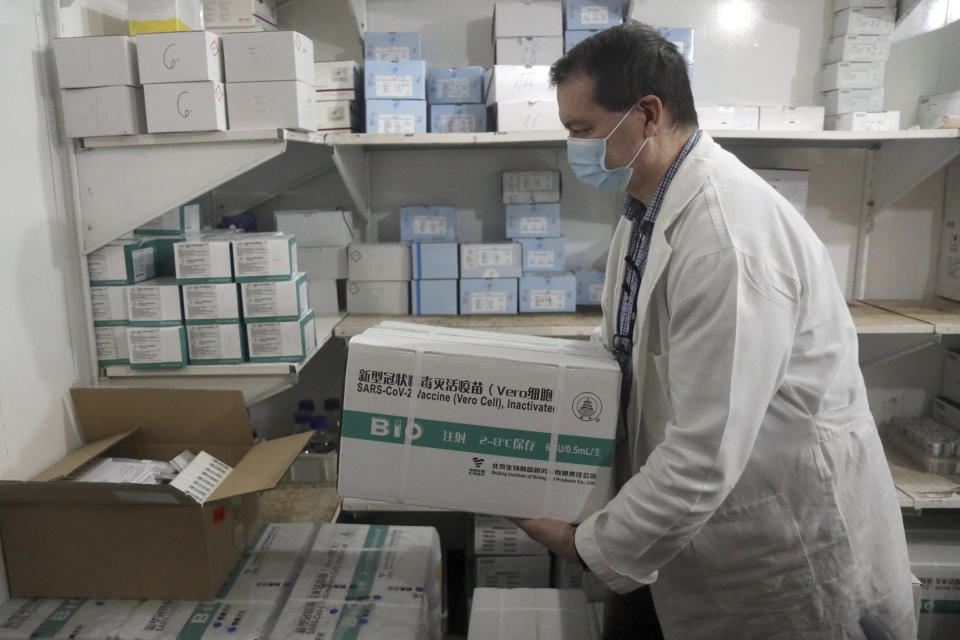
921 490
870 319
258 381
936 315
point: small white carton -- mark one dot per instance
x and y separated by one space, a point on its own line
184 220
508 614
205 260
323 263
264 257
112 346
103 111
865 20
121 262
853 75
529 115
529 50
98 61
216 343
858 48
211 303
379 262
513 572
280 104
932 109
239 14
336 115
529 187
515 19
386 298
275 301
729 117
864 121
268 55
185 106
511 83
502 260
290 341
323 296
157 347
109 306
317 228
179 56
341 75
791 118
496 536
935 560
850 100
155 303
791 184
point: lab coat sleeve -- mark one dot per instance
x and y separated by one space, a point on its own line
732 324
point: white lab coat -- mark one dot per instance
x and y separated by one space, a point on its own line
756 483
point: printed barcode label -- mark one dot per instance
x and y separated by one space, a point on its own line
396 124
533 226
453 88
395 86
430 225
391 54
547 299
594 15
488 302
541 259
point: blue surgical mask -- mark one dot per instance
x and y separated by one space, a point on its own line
587 158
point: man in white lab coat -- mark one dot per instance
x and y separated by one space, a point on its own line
754 493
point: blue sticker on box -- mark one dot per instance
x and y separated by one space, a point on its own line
428 223
593 14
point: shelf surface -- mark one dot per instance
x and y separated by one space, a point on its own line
560 325
870 319
942 315
921 490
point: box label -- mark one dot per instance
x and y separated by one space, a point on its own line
253 258
201 302
395 86
146 303
545 259
261 299
596 292
396 123
488 302
595 15
430 225
537 225
107 343
489 257
193 260
452 88
459 123
201 477
205 343
547 299
391 54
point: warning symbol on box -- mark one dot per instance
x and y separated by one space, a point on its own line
355 255
354 288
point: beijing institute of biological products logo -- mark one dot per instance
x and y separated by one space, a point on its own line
587 407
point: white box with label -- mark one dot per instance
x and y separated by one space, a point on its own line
185 106
282 104
157 347
864 121
513 82
850 100
396 116
112 348
275 301
497 536
530 187
932 109
216 343
791 184
323 296
239 13
554 292
529 115
729 117
865 20
853 75
488 296
513 572
544 254
935 560
529 50
289 341
317 227
378 262
323 263
103 111
121 262
858 48
539 18
264 257
210 303
268 55
337 75
109 306
205 260
98 61
501 260
336 115
179 56
791 118
387 297
155 303
403 80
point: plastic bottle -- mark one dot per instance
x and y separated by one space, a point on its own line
331 408
322 441
301 418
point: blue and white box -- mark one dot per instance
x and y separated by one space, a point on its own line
544 254
428 223
433 297
548 292
396 116
682 37
593 14
455 85
434 260
533 220
589 287
395 80
502 260
573 38
391 46
458 118
485 296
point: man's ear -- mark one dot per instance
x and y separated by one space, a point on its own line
652 108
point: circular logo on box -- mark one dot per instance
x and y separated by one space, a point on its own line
587 407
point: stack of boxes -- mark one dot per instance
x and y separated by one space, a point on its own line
322 240
336 103
586 17
455 96
854 71
394 83
489 274
506 558
379 278
434 265
270 77
528 39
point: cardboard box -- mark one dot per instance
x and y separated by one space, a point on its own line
533 220
419 223
866 21
544 254
205 260
264 257
185 219
216 343
109 306
99 61
951 376
589 287
682 39
379 262
211 303
434 261
946 412
850 100
935 560
791 118
317 228
455 85
324 296
139 541
112 348
566 574
397 116
395 80
502 260
458 118
530 187
121 262
548 292
531 115
573 38
239 13
519 83
529 50
283 104
290 341
488 296
864 121
387 297
186 56
593 14
514 19
500 614
391 46
275 301
155 16
155 303
858 48
433 297
496 536
853 75
791 184
513 572
737 118
335 76
103 111
268 56
157 347
323 263
932 109
450 429
336 115
185 106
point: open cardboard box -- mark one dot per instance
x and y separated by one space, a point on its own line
97 540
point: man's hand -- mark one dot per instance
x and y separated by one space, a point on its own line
555 535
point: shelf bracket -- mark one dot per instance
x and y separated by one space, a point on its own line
902 353
900 165
353 164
